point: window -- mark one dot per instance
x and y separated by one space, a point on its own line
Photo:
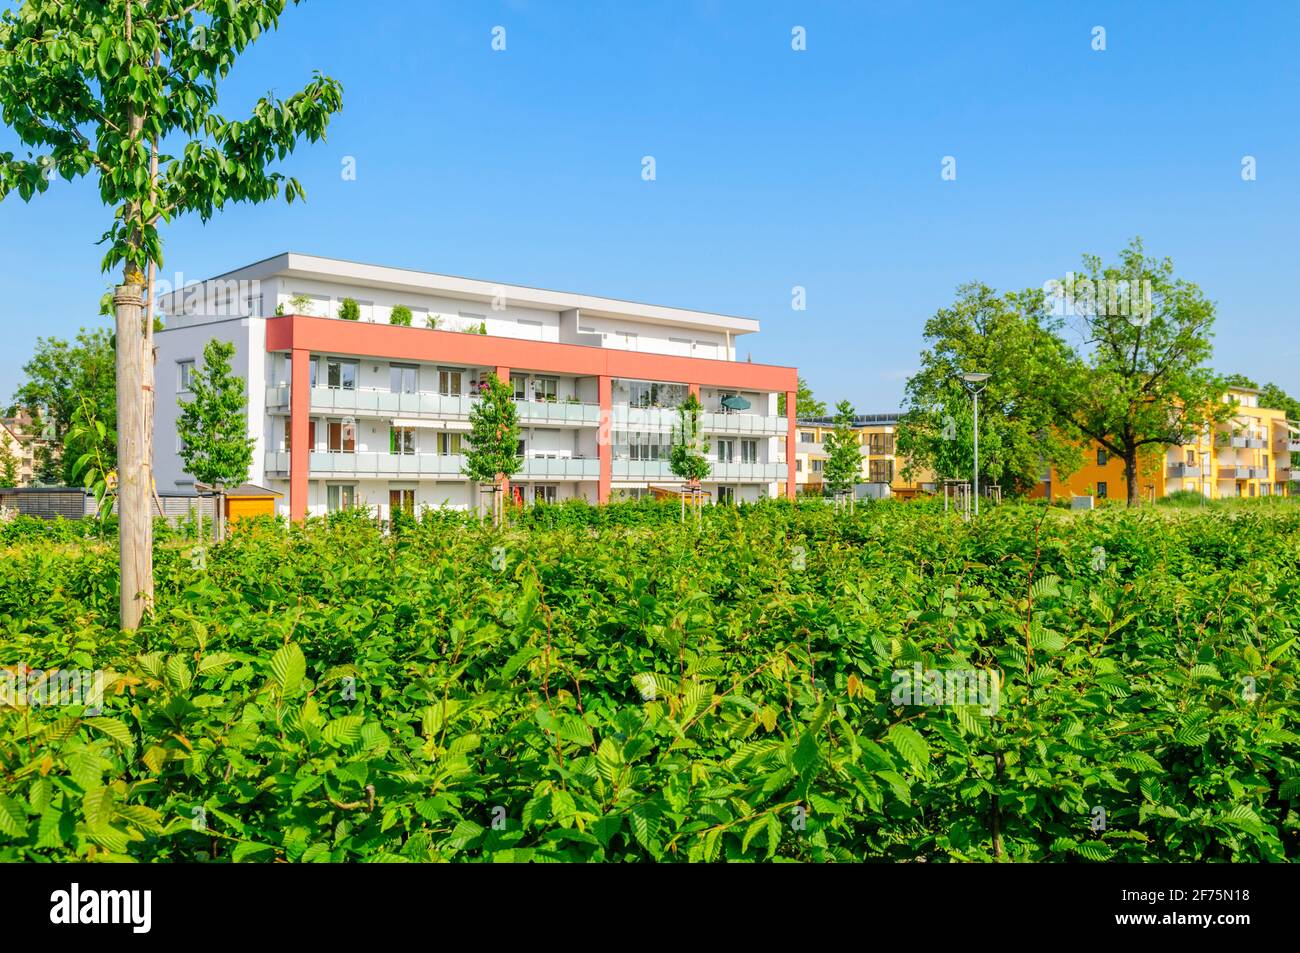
530 329
1101 457
521 386
450 381
807 436
401 500
342 437
798 466
654 394
726 494
545 388
1191 458
543 494
448 444
1101 489
403 378
881 471
401 440
817 466
749 451
340 375
726 451
882 443
340 496
185 371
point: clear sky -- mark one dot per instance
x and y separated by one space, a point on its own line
775 168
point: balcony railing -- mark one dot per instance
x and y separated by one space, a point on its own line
326 464
1184 470
385 403
560 468
719 473
1243 473
664 419
1253 443
1293 446
428 465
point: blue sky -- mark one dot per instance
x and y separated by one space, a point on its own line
774 168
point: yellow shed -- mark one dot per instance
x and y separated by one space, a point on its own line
250 500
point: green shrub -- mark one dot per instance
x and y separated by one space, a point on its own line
622 686
350 310
401 314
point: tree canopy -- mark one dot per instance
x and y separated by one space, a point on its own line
212 425
843 466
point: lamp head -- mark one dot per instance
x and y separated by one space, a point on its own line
975 378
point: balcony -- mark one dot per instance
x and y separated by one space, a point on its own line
1243 473
1184 470
1293 446
380 465
748 472
372 402
658 470
1252 443
559 468
664 419
558 413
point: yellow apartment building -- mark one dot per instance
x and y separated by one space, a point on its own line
882 467
1248 455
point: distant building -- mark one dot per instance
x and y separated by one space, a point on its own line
882 467
18 436
1248 455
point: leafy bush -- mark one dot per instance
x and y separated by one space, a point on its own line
350 310
401 314
609 684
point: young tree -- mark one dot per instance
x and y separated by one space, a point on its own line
493 454
686 459
804 402
1012 338
8 462
95 86
1137 381
843 467
212 424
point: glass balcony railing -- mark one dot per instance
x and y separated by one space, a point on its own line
385 403
719 472
559 468
665 419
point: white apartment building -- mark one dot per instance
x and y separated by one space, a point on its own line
364 412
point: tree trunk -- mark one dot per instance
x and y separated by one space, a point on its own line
1131 476
135 528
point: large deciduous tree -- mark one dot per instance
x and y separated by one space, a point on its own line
1137 378
61 380
804 403
1009 336
127 90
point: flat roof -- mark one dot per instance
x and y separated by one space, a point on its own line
338 270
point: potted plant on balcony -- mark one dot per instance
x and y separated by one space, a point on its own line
299 304
687 460
400 315
350 310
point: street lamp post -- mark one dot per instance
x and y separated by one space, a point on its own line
975 383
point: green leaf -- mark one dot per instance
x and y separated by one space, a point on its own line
911 746
288 667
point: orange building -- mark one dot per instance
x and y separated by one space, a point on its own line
1248 455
